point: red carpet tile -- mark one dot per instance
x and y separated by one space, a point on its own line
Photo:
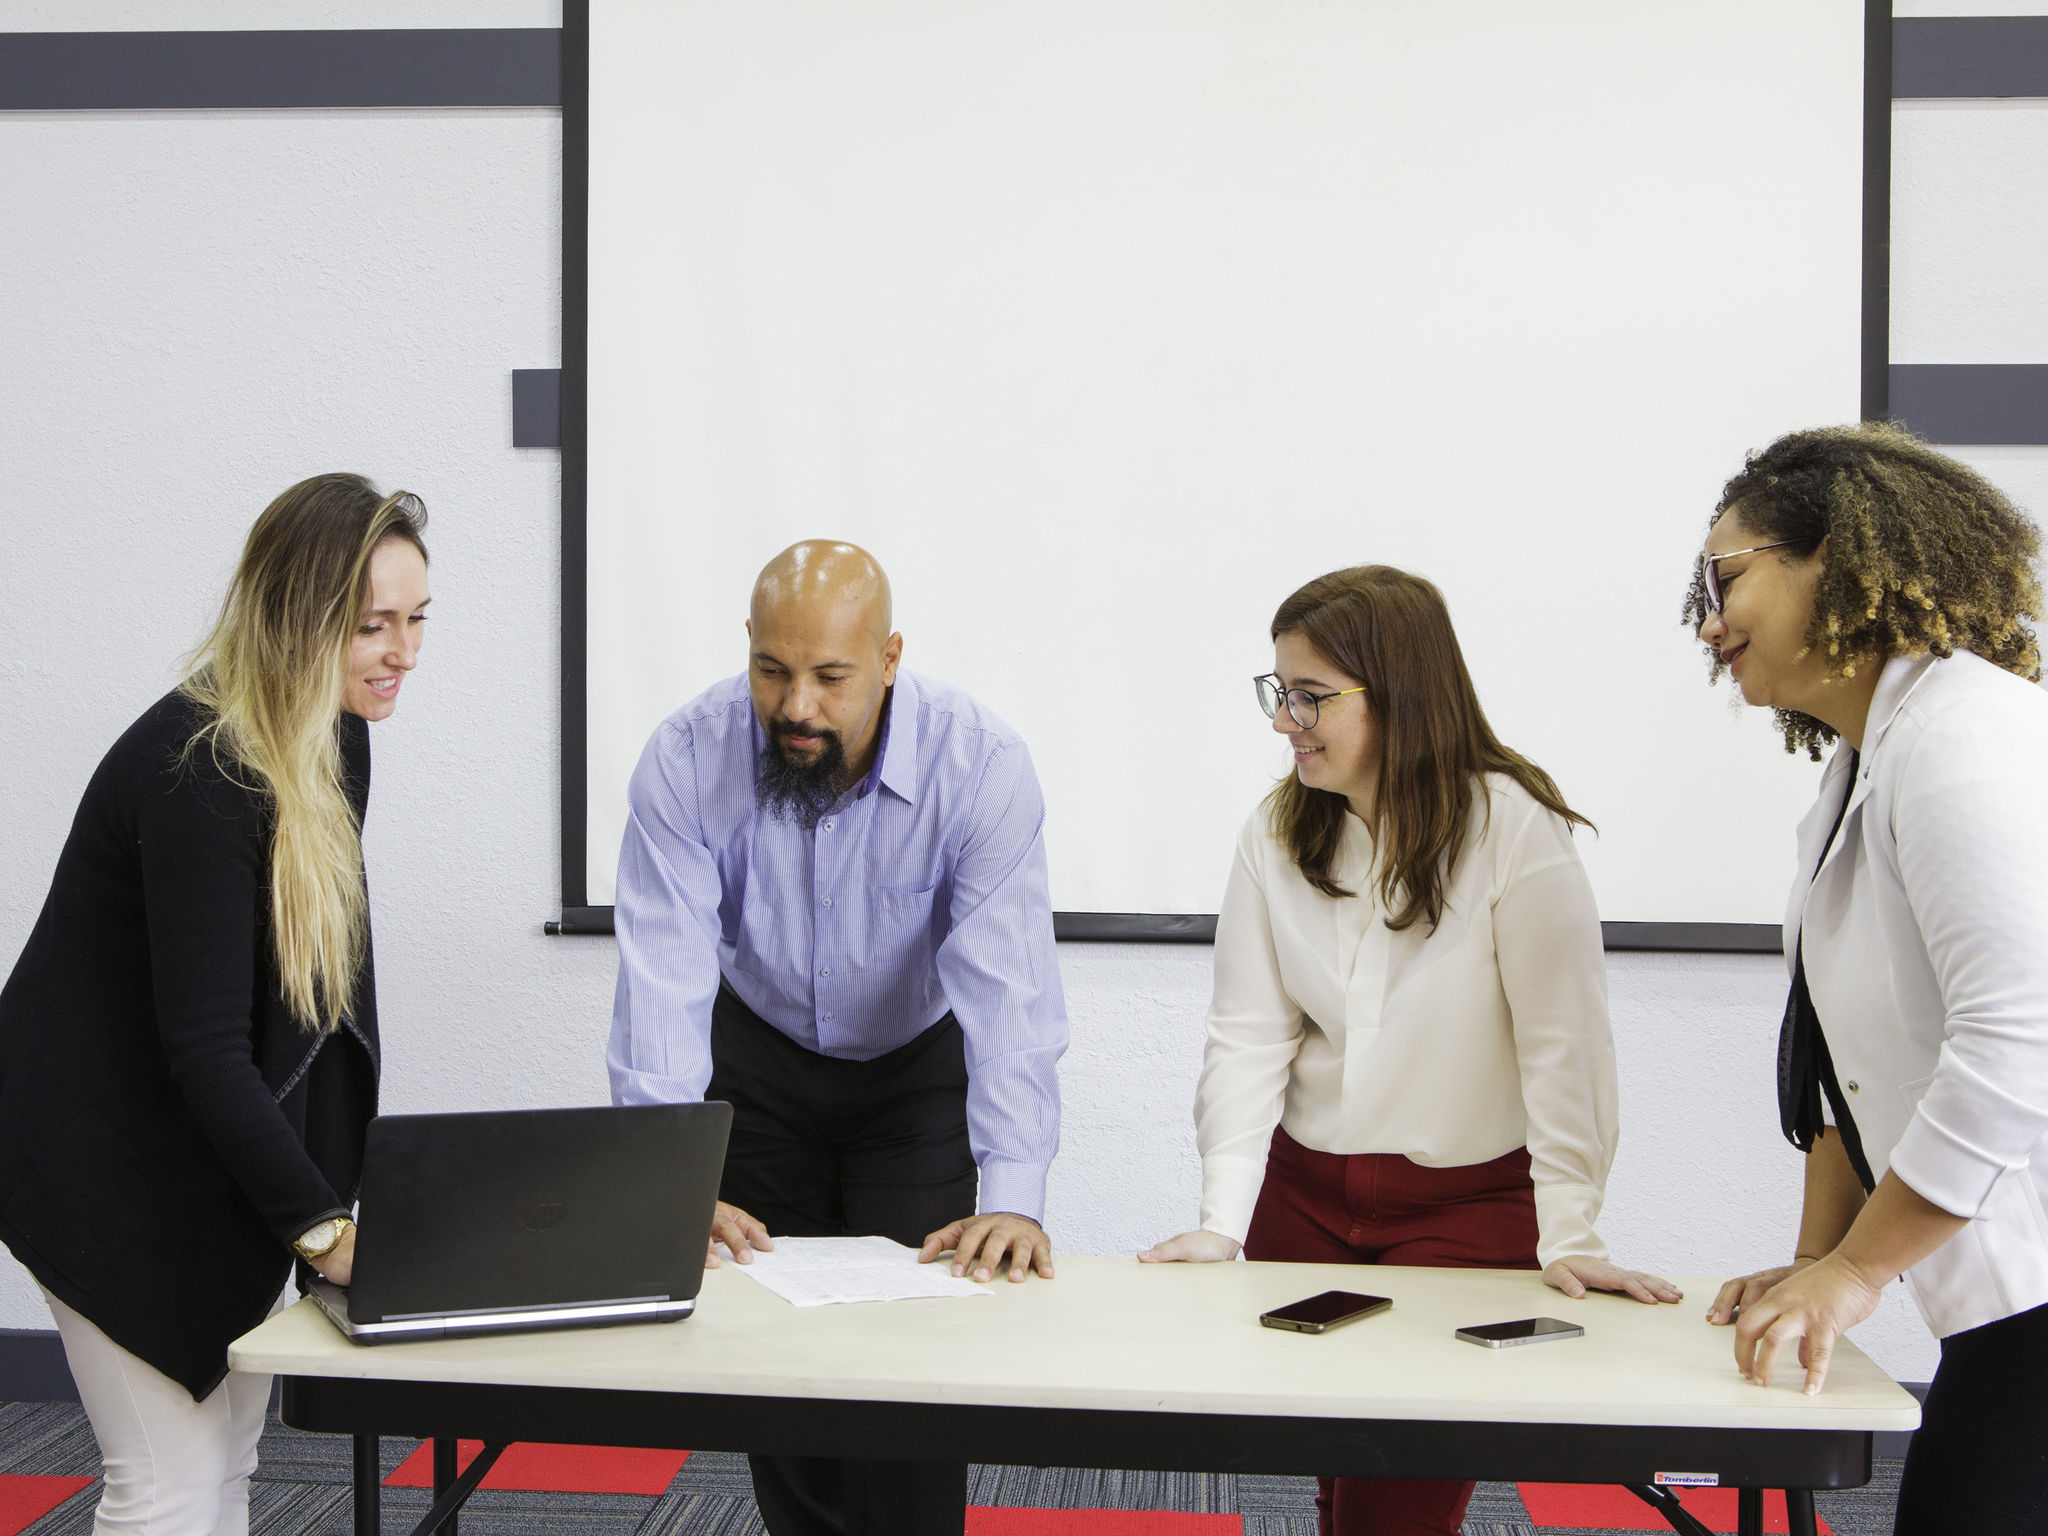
25 1500
1584 1505
983 1521
535 1468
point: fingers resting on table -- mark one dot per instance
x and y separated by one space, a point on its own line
1810 1307
1198 1247
1745 1290
740 1233
983 1244
1575 1277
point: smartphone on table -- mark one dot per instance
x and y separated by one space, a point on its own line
1319 1314
1526 1330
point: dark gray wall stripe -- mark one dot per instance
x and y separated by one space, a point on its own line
1957 56
32 1368
536 407
1947 56
429 67
1163 928
1959 403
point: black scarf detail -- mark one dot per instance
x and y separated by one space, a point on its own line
1805 1070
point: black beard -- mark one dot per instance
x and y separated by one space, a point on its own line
794 790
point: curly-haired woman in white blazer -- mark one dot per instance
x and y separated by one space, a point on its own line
1876 593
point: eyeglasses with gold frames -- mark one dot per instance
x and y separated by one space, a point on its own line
1303 707
1710 566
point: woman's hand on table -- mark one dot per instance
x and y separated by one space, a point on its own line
1744 1290
1575 1277
1198 1247
740 1233
1815 1304
338 1263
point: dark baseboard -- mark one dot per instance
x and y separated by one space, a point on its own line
32 1370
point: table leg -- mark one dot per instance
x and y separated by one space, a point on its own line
369 1515
444 1478
1799 1512
1675 1514
1749 1512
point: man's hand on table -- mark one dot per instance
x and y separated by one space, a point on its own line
1198 1247
1575 1277
983 1243
740 1233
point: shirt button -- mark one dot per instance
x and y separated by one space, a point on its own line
826 902
827 971
1854 1086
825 826
826 1020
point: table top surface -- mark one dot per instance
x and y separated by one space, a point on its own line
1117 1335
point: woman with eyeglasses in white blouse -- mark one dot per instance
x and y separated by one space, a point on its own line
1408 1056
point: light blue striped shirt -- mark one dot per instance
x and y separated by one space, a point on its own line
923 890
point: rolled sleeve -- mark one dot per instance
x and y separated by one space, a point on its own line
1972 846
666 918
999 968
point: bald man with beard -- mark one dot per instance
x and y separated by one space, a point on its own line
832 914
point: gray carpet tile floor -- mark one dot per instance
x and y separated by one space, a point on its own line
301 1489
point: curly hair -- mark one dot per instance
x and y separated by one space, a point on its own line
1919 554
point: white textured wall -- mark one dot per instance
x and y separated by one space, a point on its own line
206 306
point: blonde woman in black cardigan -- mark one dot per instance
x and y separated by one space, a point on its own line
188 1043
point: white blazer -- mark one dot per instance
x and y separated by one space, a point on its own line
1926 935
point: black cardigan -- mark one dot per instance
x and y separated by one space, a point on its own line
166 1127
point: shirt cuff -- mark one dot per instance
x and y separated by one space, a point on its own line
1018 1188
1230 1193
1564 1223
1942 1167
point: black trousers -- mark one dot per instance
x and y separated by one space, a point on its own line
828 1148
1979 1462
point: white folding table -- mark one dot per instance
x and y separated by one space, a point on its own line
1121 1365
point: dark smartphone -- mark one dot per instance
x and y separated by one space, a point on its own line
1527 1330
1319 1314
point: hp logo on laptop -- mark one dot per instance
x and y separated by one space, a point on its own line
539 1215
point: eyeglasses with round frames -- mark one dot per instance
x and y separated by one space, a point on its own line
1710 565
1303 707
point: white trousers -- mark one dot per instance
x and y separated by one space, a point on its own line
173 1467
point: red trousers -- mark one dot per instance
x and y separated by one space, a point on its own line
1380 1208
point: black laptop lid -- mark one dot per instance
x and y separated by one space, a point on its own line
535 1208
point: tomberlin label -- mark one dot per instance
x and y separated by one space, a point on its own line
1687 1479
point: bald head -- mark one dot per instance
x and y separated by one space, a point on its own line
817 578
822 656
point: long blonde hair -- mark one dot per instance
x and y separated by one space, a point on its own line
269 683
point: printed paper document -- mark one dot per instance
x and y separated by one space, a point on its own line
819 1271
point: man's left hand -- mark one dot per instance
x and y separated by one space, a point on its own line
984 1243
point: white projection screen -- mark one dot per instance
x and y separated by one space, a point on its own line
1107 323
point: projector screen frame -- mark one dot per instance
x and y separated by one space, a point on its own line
579 917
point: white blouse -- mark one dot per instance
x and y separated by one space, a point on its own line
1450 1046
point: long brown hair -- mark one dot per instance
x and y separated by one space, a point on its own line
1392 632
268 681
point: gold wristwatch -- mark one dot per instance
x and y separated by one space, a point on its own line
321 1239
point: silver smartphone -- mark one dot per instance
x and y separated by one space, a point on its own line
1527 1330
1319 1314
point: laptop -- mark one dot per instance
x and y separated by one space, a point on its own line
516 1220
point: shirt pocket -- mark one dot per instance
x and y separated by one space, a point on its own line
902 917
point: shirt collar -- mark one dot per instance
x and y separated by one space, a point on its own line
896 758
1901 675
